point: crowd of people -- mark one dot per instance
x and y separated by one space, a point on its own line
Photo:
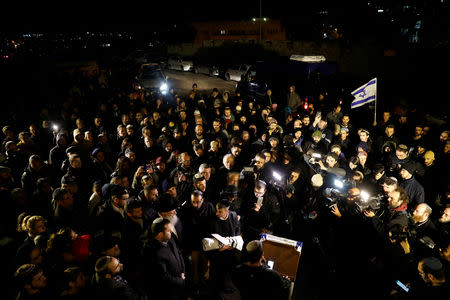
113 191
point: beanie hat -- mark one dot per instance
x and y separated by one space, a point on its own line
317 133
409 166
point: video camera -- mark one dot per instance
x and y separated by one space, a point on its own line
336 193
365 201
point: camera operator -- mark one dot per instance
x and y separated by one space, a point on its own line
260 211
256 171
347 208
396 213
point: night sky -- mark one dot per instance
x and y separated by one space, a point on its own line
81 15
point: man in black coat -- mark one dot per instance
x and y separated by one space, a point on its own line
226 224
164 265
195 217
111 215
108 284
412 187
255 280
260 211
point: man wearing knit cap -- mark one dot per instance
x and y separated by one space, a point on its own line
412 187
255 280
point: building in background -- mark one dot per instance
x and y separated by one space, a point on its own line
255 29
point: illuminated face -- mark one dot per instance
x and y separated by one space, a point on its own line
400 154
394 199
201 185
216 126
363 136
306 121
389 131
445 217
228 162
316 139
428 160
222 213
206 173
259 192
404 174
294 176
344 134
419 213
345 120
331 162
198 130
235 151
297 124
418 131
153 195
444 136
259 162
196 201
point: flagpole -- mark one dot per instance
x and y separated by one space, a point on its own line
376 96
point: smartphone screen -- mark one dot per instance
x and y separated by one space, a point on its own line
400 284
270 264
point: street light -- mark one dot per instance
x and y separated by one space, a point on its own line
260 20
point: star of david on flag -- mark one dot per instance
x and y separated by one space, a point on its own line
365 93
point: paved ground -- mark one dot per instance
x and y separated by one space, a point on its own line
182 82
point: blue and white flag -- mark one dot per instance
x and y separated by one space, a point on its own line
365 94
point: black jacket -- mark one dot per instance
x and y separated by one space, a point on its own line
164 265
259 283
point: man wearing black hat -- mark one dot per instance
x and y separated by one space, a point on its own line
412 187
166 207
255 280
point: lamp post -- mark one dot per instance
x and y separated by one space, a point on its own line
260 20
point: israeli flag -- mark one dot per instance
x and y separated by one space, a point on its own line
365 94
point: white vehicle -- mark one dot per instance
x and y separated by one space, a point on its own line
179 63
235 72
308 58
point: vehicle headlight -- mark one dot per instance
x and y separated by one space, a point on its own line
163 88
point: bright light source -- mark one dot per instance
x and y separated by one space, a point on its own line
265 19
163 87
253 19
316 155
364 195
277 176
339 184
55 127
